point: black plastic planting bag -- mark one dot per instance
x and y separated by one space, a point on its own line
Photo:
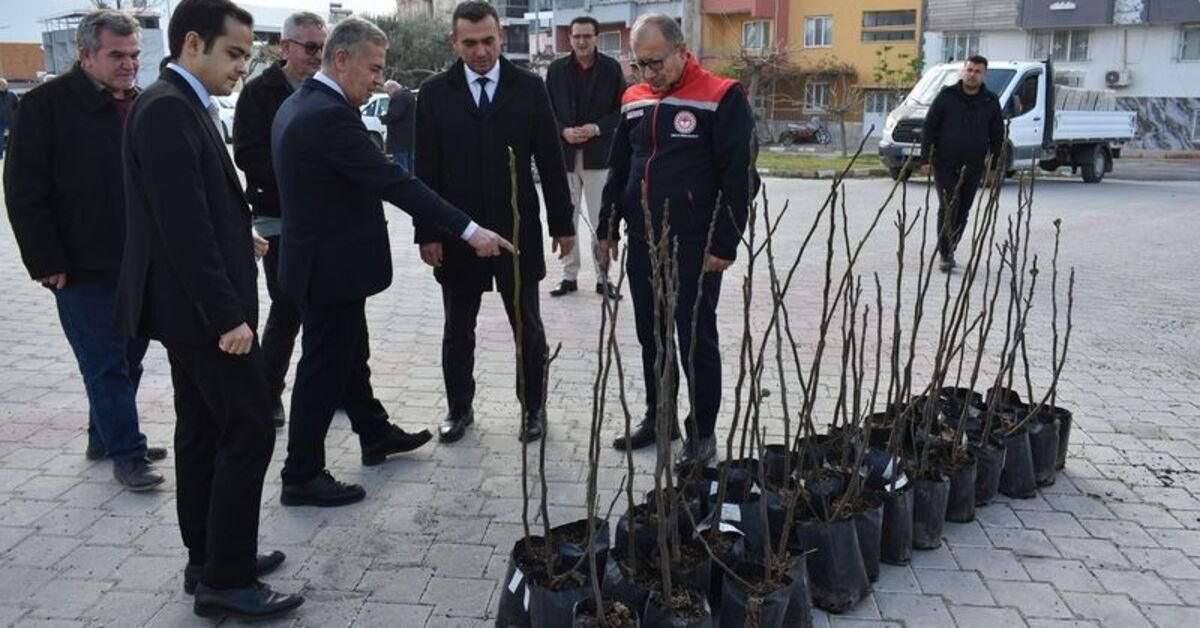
895 546
646 533
570 542
836 575
989 464
869 525
657 616
1043 446
1064 434
960 504
621 585
747 518
730 554
799 610
1016 480
587 610
740 609
513 609
929 512
554 609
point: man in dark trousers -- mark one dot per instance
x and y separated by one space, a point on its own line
964 125
467 118
66 201
8 113
585 89
336 253
686 139
301 46
399 118
188 280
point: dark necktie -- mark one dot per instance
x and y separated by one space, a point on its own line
485 103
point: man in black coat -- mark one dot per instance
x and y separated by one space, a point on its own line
585 89
66 201
332 182
303 39
188 280
467 119
399 118
8 113
964 124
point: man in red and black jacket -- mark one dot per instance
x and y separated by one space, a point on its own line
684 149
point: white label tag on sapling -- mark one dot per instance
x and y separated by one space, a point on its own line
516 581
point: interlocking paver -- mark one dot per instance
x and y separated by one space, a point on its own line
1112 611
1064 575
993 564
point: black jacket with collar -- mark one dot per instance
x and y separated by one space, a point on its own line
463 155
601 106
256 107
188 274
402 111
962 129
62 180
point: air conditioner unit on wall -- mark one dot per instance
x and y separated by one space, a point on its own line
1118 78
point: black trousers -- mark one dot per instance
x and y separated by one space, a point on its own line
705 388
955 200
223 444
283 323
461 307
332 374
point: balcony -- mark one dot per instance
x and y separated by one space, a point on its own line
614 11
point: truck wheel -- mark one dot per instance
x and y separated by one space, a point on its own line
1093 168
900 173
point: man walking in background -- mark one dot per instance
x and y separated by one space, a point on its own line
301 46
8 111
66 201
585 89
400 116
963 126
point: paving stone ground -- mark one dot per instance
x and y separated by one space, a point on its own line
1115 542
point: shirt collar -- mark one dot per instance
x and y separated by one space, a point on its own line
331 84
197 86
492 75
102 88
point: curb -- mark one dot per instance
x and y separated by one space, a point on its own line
853 173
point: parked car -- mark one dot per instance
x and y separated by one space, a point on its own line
375 107
227 104
1048 125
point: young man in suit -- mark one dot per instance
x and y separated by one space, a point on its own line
66 201
467 119
303 40
188 280
585 89
332 181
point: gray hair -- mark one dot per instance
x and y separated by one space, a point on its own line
389 86
296 21
664 23
350 34
116 22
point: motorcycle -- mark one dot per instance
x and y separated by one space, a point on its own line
804 133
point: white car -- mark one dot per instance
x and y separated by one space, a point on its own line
227 104
377 106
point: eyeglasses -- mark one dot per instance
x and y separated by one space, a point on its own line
641 65
311 48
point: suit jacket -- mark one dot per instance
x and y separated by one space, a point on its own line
402 111
600 105
256 107
463 155
332 183
62 180
188 272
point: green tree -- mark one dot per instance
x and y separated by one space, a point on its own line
418 48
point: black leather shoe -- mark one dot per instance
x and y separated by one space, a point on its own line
396 441
278 415
256 601
696 451
455 425
535 426
644 435
323 491
948 263
263 565
565 287
608 290
95 451
136 475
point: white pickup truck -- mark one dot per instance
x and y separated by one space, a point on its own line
1087 132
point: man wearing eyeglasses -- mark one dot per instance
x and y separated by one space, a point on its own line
685 141
303 41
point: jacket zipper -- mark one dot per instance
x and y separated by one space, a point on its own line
653 149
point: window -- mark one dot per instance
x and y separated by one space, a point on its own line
818 31
889 18
1060 45
609 43
1024 97
889 35
755 35
957 46
881 101
1189 49
816 95
760 101
1196 125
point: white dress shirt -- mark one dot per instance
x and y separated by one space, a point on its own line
493 76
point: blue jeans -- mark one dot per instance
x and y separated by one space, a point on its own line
404 159
109 362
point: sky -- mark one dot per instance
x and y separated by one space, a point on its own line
19 18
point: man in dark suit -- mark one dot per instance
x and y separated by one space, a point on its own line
66 202
585 89
332 181
188 280
303 39
467 119
399 117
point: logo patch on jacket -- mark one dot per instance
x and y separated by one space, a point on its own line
685 122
